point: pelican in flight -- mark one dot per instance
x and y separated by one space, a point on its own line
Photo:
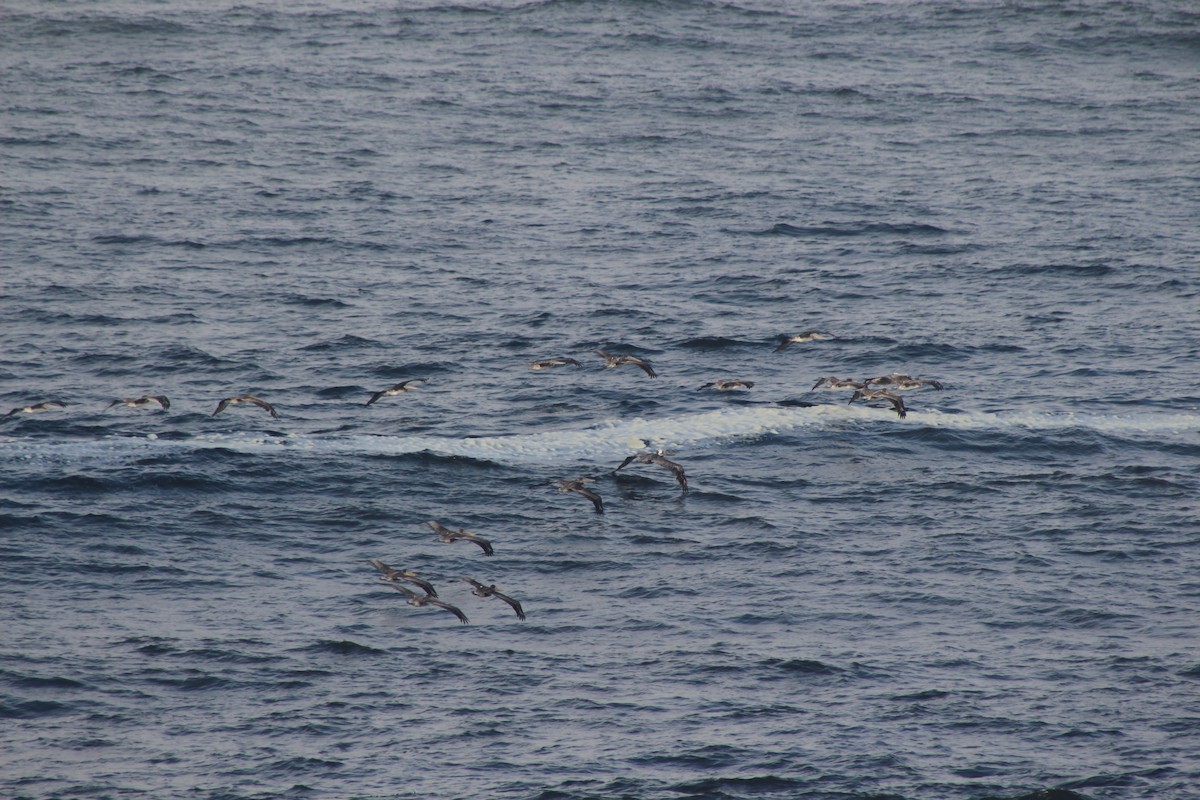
834 382
658 457
870 395
399 388
557 361
461 535
141 402
246 398
579 486
900 382
912 384
420 600
801 338
490 591
37 408
611 361
727 385
391 575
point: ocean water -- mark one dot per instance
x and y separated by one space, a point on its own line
994 596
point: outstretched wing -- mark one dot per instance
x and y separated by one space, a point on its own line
455 610
629 460
645 365
407 592
424 585
221 406
677 470
516 605
264 405
484 544
590 495
389 574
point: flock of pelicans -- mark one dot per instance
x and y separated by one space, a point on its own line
877 390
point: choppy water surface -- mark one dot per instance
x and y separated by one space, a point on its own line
992 597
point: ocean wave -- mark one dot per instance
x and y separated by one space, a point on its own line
612 439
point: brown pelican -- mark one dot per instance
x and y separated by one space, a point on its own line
727 385
490 591
659 457
461 535
37 408
869 395
139 402
611 361
557 361
420 600
399 388
579 486
391 575
912 384
246 398
833 382
801 338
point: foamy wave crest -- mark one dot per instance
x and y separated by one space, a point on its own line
617 438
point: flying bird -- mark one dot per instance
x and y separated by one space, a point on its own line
139 402
550 363
399 388
611 361
907 384
461 535
490 591
420 600
728 385
246 398
659 457
391 575
37 408
876 395
833 382
579 486
801 338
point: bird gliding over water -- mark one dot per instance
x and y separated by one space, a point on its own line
246 398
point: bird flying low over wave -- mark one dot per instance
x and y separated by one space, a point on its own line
833 382
490 591
557 361
611 361
420 600
579 486
391 575
140 402
801 338
721 385
246 398
461 535
659 457
870 395
902 383
37 408
399 388
907 384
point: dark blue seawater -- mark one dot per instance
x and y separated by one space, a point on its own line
992 597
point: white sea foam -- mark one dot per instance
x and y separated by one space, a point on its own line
614 439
